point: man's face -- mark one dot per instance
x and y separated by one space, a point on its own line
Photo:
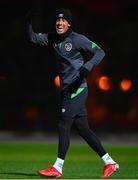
62 25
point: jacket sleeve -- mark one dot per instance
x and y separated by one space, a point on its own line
83 43
37 38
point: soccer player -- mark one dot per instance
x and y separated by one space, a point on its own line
70 48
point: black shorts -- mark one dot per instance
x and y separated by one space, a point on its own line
71 107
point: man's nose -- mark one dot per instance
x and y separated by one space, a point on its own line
60 21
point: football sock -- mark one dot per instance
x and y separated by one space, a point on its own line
107 159
59 164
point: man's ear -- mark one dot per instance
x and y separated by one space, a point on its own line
69 25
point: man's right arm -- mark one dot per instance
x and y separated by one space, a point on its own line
37 38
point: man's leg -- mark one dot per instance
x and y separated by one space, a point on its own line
88 135
64 136
63 145
81 124
65 123
64 141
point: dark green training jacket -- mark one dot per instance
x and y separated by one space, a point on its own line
70 51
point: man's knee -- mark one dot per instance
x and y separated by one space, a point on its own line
65 124
81 123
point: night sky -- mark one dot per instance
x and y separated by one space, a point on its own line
28 96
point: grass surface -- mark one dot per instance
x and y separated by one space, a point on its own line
22 160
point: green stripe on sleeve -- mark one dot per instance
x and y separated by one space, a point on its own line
79 90
93 45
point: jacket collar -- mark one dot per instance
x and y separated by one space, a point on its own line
60 38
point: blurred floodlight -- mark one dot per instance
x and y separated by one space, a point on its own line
57 81
125 84
104 83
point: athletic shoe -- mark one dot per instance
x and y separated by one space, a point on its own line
49 172
109 169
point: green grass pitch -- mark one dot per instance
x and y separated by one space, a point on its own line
22 160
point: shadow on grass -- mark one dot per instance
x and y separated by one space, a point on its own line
18 173
23 175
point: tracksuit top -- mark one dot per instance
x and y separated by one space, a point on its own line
70 50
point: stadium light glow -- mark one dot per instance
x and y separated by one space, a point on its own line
57 81
125 84
104 83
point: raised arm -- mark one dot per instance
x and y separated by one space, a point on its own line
37 38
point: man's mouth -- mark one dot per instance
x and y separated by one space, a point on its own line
60 27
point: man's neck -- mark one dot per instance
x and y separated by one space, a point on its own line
61 37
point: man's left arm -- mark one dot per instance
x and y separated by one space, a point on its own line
88 46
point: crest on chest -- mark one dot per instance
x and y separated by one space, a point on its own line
68 46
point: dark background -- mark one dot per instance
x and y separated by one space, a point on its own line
28 96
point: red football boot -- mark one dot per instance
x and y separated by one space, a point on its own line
109 169
49 172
